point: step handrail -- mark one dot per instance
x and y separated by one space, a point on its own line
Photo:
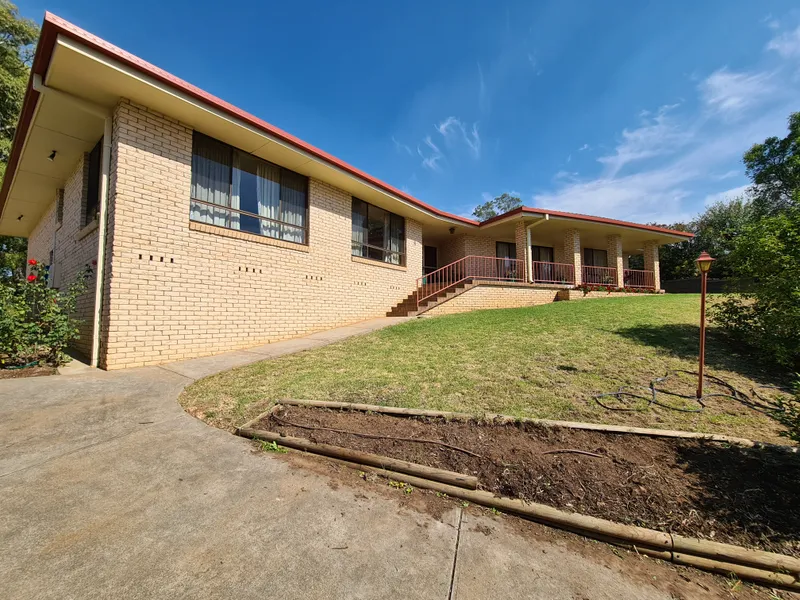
469 267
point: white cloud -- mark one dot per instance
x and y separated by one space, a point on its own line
657 136
453 131
661 193
431 161
534 62
584 147
731 94
483 94
728 175
726 195
402 147
786 44
771 22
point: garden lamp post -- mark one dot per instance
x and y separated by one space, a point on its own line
704 264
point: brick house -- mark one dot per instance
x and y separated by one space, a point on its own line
213 230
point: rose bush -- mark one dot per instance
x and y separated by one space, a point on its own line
36 321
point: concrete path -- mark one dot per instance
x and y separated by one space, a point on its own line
109 490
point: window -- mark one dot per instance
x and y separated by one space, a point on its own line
59 208
236 190
595 258
93 185
378 234
542 254
505 250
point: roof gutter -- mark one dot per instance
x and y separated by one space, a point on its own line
106 115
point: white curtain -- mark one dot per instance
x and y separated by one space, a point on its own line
359 219
236 191
293 206
395 238
268 195
211 173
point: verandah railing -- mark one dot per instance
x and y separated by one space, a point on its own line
550 272
487 268
599 275
636 278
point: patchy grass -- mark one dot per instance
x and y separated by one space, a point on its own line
546 361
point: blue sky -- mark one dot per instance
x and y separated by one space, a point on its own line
635 110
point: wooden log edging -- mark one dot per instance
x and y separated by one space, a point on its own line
363 458
501 419
766 568
256 419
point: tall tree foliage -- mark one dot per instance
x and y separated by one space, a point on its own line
774 168
767 315
716 231
17 39
499 205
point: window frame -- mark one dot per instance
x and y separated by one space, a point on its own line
387 228
512 247
229 209
59 208
538 250
592 263
94 174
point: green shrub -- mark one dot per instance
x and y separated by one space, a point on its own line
767 316
36 321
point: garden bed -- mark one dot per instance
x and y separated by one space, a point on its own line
33 371
743 496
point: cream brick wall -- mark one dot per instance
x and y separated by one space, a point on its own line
178 291
489 295
75 247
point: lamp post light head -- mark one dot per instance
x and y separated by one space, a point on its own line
704 261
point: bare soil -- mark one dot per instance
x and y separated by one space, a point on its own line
37 371
701 489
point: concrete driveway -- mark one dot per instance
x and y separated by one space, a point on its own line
109 490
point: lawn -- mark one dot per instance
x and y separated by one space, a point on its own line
546 361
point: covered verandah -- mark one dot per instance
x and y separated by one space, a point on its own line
547 248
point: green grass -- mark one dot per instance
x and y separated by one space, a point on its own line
545 361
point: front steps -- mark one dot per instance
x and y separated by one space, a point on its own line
408 307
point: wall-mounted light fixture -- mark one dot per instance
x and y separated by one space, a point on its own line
52 156
452 230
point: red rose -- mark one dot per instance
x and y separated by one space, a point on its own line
31 277
94 263
32 262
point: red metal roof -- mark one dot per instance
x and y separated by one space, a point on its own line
580 217
54 25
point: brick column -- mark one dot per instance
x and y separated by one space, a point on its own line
614 252
651 261
523 250
572 252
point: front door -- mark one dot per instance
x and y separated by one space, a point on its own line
430 259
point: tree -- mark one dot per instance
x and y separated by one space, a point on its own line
17 37
767 316
774 168
715 231
501 204
13 251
